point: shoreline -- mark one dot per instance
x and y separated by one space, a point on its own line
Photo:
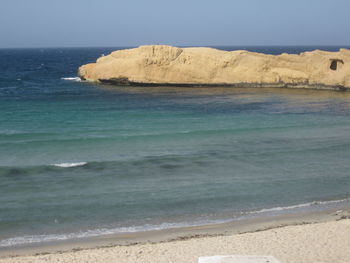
244 85
154 237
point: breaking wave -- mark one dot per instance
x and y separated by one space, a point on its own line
68 165
77 79
293 207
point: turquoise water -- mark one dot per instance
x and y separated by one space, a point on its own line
79 159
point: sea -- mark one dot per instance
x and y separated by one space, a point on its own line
81 160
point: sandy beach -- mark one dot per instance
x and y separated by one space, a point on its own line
323 241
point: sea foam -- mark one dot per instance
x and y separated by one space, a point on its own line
25 240
298 206
68 165
77 79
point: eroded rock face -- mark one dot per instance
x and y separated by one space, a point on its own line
166 65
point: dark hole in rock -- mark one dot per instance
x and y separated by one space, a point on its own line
334 63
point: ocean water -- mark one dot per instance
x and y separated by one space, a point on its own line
80 159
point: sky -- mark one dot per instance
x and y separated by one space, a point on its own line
114 23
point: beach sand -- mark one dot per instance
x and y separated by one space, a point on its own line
316 242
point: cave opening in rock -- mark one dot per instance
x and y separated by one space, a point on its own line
334 63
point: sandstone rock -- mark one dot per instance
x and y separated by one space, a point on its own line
166 65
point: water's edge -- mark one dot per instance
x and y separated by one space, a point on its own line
247 225
312 212
282 85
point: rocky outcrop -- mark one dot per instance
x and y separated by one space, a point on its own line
166 65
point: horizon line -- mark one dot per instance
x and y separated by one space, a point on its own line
181 46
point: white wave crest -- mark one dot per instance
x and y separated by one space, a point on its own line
77 79
68 165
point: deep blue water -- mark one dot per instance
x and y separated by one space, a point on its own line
80 159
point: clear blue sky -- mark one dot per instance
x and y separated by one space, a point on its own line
65 23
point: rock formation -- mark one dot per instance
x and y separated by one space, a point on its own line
166 65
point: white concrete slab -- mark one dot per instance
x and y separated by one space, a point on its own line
238 259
